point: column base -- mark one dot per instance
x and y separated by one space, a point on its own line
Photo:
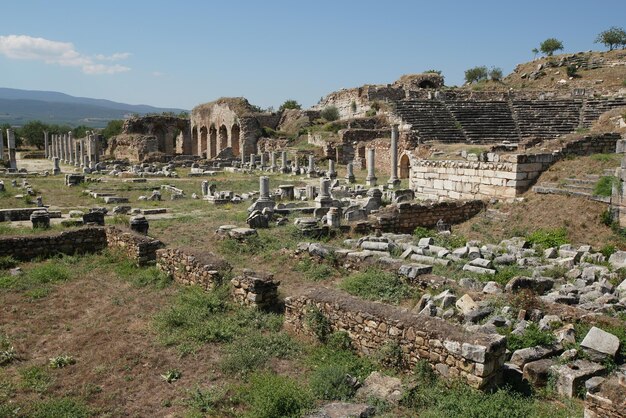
393 183
351 179
371 181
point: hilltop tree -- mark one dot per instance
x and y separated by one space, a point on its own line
290 104
550 46
476 74
113 128
612 37
495 74
535 51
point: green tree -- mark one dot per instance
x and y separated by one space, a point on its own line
612 37
3 129
32 133
113 128
330 113
290 104
81 131
550 46
476 74
535 51
495 74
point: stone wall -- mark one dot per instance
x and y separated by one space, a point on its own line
608 402
17 214
255 290
450 350
81 241
140 248
190 267
132 147
405 217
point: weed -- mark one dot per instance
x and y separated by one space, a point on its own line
205 401
339 340
61 361
35 378
314 271
142 276
330 382
271 396
376 284
317 322
421 232
555 272
506 273
7 355
390 356
252 351
7 262
546 238
531 337
604 186
171 375
63 407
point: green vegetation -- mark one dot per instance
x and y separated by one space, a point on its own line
317 322
531 337
546 238
604 186
7 262
171 375
35 378
61 361
113 128
572 71
550 46
495 74
376 284
314 271
505 273
476 74
59 407
330 113
271 395
612 37
290 104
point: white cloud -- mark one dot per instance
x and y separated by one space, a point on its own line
157 74
26 47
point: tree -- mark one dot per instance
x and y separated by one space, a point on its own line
290 104
32 133
81 131
612 37
330 113
476 74
550 46
495 74
535 51
113 128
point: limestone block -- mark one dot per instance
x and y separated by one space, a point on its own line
599 343
466 304
572 376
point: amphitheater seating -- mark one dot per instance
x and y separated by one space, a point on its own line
595 107
488 121
430 120
547 118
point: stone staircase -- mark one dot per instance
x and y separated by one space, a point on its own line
490 121
593 108
582 187
430 120
547 118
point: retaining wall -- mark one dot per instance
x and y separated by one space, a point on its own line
450 350
137 247
188 267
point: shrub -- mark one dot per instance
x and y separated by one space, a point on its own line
331 382
330 113
353 106
476 74
7 262
550 46
420 232
390 356
572 71
495 74
546 238
339 340
317 322
375 105
604 186
290 104
608 250
376 284
531 337
606 217
272 396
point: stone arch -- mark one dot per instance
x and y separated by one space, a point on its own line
405 166
235 132
212 151
223 137
203 142
194 141
426 84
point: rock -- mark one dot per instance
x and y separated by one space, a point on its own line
479 270
593 385
571 377
547 321
551 253
343 410
318 250
470 283
621 288
425 242
618 259
379 386
466 304
492 288
568 355
537 372
505 259
566 334
526 355
478 314
599 344
242 232
537 284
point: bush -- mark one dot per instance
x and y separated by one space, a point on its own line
608 250
376 284
330 113
606 217
546 238
390 356
7 262
339 340
531 337
604 186
317 322
290 104
420 232
272 396
572 71
550 46
331 382
495 74
476 74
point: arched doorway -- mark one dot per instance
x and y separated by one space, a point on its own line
212 151
203 142
223 137
234 139
405 166
426 84
194 141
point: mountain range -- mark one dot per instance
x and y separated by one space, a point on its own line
20 106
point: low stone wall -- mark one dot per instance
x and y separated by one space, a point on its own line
592 144
140 248
79 241
188 267
405 217
254 290
17 214
608 402
451 351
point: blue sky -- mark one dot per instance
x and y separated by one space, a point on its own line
183 53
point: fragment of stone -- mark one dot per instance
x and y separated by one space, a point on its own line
381 387
526 355
492 288
599 344
537 372
343 410
537 284
571 377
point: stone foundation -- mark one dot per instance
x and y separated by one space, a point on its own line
22 214
187 267
139 248
608 402
405 217
450 350
254 290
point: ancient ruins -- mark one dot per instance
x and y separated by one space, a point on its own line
382 187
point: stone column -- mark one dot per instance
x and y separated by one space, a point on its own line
324 187
370 180
52 146
83 155
1 146
264 188
394 181
263 162
273 165
243 160
333 217
252 162
11 149
310 192
331 169
70 146
96 148
296 165
205 188
323 199
311 169
78 158
350 174
46 151
283 159
64 148
56 169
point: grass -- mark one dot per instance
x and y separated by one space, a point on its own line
531 337
314 271
604 186
546 238
270 395
35 378
376 284
37 279
505 273
59 407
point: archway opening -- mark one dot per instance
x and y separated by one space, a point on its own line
194 141
426 84
234 139
203 142
212 152
405 167
223 137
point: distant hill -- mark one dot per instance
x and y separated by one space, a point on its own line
19 106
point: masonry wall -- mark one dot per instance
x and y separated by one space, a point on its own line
405 217
140 248
17 214
188 267
79 241
450 350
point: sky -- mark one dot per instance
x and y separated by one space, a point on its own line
186 52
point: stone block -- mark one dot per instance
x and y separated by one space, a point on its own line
600 344
571 377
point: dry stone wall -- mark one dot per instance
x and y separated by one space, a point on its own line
449 349
188 267
140 248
